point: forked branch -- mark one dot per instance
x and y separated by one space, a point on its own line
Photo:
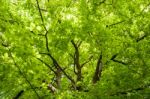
98 70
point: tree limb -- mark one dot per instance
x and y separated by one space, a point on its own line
39 9
58 66
47 65
141 38
18 94
79 44
52 88
98 70
24 76
114 56
76 60
115 23
46 41
76 54
89 59
117 61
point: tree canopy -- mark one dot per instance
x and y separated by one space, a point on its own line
74 49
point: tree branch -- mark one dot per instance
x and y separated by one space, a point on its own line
46 41
19 94
115 23
89 59
79 44
24 76
47 65
46 37
74 64
114 56
52 88
73 43
117 61
73 56
141 38
76 60
58 66
39 9
98 70
76 54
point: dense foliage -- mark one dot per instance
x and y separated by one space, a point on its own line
74 49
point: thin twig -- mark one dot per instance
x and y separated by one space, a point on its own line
89 59
39 9
47 65
24 76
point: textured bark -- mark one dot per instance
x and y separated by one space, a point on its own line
52 88
18 95
77 61
98 70
58 78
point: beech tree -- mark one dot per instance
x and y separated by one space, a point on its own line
70 49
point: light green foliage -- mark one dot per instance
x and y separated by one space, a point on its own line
34 33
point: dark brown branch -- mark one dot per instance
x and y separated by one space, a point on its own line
75 46
46 37
39 9
19 94
58 77
43 10
114 56
73 56
76 60
76 54
98 70
47 65
141 38
58 66
24 76
117 61
89 59
46 41
120 62
129 18
74 67
115 23
5 44
57 73
79 44
41 34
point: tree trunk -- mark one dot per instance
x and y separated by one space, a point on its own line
98 70
58 78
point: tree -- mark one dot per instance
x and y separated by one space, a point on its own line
74 48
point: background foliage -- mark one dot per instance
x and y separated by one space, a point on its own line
70 49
